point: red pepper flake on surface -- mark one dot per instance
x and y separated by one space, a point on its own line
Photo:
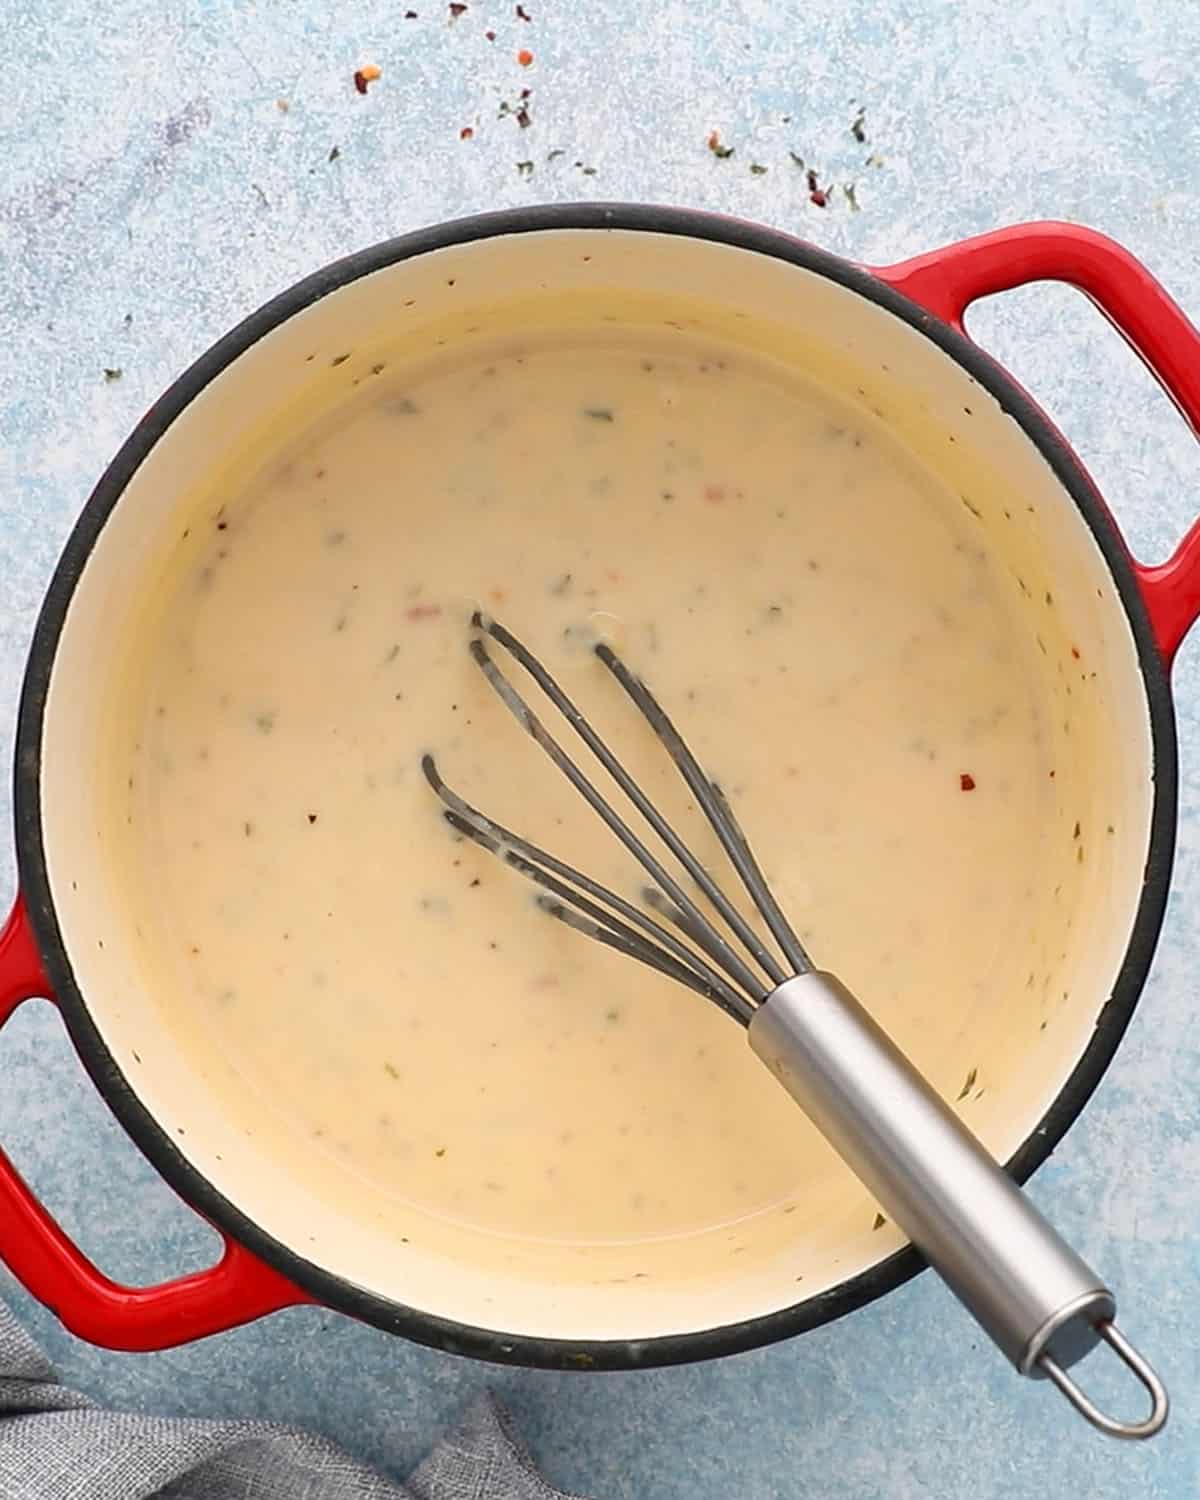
722 153
816 193
491 35
457 8
966 782
423 612
410 15
466 133
523 14
366 75
525 57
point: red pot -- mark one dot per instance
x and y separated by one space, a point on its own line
909 315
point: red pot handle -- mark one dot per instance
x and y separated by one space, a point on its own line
238 1289
945 283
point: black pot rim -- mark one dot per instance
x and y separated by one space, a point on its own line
151 1138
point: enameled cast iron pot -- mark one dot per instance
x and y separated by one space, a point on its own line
903 325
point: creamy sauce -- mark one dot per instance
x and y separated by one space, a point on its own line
810 605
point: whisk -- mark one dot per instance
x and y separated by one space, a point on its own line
1033 1295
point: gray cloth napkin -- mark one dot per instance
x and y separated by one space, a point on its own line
57 1445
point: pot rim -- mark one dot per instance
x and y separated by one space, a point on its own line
151 1138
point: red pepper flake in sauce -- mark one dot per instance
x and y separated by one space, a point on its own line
525 57
966 782
366 75
714 493
1075 652
423 612
466 133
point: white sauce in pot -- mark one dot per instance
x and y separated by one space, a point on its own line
809 604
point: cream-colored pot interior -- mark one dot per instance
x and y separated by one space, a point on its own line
1007 1061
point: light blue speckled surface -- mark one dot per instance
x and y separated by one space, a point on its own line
154 193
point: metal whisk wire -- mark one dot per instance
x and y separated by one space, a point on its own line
722 974
542 868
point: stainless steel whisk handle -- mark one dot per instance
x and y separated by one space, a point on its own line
1039 1302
